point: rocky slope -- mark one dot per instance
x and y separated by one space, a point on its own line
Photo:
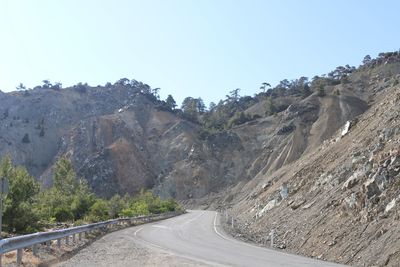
340 201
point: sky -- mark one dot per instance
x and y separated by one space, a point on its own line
198 48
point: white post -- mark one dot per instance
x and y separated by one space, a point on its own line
272 237
232 221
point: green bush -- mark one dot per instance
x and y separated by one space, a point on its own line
63 214
19 215
99 211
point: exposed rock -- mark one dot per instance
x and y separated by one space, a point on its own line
270 205
309 205
266 185
381 178
390 205
371 188
296 204
353 180
286 129
346 128
351 200
284 191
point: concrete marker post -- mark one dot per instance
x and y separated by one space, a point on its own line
19 257
272 237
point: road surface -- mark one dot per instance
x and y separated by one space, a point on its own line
192 239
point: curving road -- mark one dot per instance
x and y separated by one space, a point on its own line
192 239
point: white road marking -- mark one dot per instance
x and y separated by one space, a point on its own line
161 226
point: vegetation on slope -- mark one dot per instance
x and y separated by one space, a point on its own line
28 208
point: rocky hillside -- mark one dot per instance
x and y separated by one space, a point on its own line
320 170
339 201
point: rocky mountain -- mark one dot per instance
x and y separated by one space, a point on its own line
339 200
321 171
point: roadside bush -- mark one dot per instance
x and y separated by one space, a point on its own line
19 215
63 214
99 211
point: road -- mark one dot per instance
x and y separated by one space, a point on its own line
192 239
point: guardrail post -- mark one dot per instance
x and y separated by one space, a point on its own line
35 249
80 236
19 257
59 243
1 257
73 238
67 240
48 244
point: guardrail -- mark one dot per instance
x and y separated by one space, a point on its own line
33 240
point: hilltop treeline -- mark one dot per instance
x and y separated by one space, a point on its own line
230 111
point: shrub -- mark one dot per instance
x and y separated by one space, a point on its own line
99 211
63 214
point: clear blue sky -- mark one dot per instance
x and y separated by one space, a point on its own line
189 48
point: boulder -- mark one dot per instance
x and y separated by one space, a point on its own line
352 180
284 191
390 205
351 200
270 205
266 185
381 178
371 188
346 128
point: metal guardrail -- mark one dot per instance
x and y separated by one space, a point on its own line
19 243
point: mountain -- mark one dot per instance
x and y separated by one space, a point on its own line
317 161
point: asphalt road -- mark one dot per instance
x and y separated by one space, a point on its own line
198 236
194 239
